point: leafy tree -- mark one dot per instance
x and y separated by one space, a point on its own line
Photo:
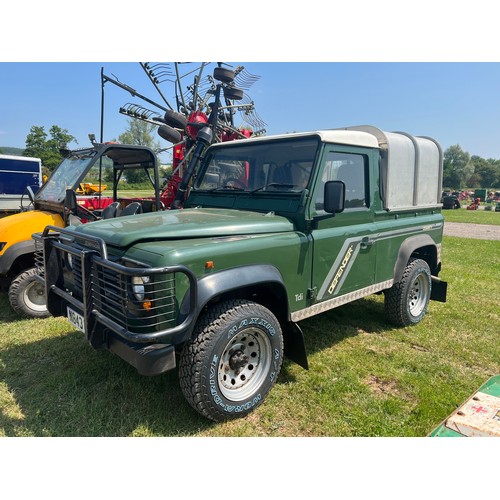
489 172
486 173
139 133
40 146
474 181
35 141
496 180
457 167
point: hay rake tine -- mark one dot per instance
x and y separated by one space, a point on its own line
243 79
137 111
154 80
196 82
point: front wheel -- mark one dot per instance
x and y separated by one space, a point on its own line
233 360
27 295
407 301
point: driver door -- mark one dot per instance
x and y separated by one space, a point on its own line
344 255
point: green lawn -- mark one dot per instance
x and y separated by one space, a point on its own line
365 378
472 216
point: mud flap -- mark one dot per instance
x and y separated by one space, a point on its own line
295 348
439 289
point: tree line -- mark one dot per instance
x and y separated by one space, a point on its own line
461 170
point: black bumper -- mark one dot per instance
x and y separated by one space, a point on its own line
99 291
152 359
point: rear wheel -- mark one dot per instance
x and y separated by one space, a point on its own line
407 301
27 295
233 360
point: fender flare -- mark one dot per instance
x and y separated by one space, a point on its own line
232 279
228 280
13 253
406 249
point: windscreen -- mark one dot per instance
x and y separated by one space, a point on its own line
275 165
66 176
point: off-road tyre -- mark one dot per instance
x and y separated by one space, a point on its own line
232 361
169 134
224 75
27 295
407 300
175 119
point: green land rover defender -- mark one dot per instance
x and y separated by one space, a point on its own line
274 230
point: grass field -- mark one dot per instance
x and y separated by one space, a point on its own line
365 378
472 216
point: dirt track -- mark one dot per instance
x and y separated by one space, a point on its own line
476 231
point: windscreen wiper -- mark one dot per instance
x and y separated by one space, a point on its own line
274 184
226 186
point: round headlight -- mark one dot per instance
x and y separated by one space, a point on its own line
138 286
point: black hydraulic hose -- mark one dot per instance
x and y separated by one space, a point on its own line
203 139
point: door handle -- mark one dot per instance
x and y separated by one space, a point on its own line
366 243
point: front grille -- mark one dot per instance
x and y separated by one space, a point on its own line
78 270
74 266
112 296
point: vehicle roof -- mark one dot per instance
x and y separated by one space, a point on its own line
122 154
337 136
21 158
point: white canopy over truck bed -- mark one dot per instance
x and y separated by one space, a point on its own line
411 169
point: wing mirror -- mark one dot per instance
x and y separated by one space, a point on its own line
334 199
70 201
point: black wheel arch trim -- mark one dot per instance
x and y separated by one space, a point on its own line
13 253
407 248
228 280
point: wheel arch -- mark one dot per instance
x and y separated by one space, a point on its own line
422 247
17 258
262 284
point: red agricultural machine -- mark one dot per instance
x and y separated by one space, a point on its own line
474 205
208 96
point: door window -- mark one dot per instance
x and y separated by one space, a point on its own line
352 170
